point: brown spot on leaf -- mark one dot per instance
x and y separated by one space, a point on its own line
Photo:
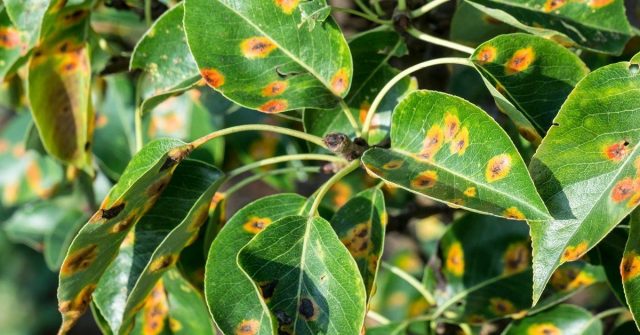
520 61
432 142
274 106
616 152
340 82
498 167
9 38
551 5
513 213
460 142
630 266
516 258
392 165
487 54
470 192
275 88
112 212
123 225
451 126
501 306
287 6
156 310
426 179
256 224
257 47
622 190
357 240
79 260
248 327
267 289
308 309
455 259
212 77
73 309
572 253
163 262
543 329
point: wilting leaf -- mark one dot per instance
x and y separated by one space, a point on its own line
164 56
312 282
360 225
159 237
373 49
59 89
450 150
586 168
258 61
225 280
98 241
599 25
535 76
630 267
27 16
562 319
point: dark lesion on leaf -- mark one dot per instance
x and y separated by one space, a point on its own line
267 289
341 144
110 213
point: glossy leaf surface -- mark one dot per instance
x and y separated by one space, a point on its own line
586 166
226 282
598 25
27 16
450 150
257 59
307 277
534 74
563 319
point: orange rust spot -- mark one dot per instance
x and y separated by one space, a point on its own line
572 253
455 259
513 213
599 3
256 224
274 106
248 327
520 61
342 192
213 77
630 266
551 5
487 54
460 142
340 82
635 199
470 192
432 142
257 47
156 310
543 329
9 38
622 190
287 6
34 180
426 179
275 88
163 262
364 109
616 152
500 306
79 260
498 167
357 240
73 309
451 126
392 165
516 258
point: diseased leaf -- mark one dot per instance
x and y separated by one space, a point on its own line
256 58
533 74
226 283
598 25
373 49
450 150
360 225
59 83
164 56
586 166
12 42
562 319
159 237
307 278
609 253
97 243
27 16
630 267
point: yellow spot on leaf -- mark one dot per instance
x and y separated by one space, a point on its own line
287 6
73 309
425 180
460 142
248 327
470 192
156 310
340 82
572 253
616 152
341 193
212 77
455 259
358 240
274 106
516 258
630 266
175 325
364 109
275 88
513 213
500 306
487 54
392 165
543 329
520 61
600 3
257 47
256 224
498 167
451 126
432 142
163 262
79 260
551 5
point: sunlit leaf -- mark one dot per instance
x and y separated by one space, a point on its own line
450 150
563 319
27 16
258 60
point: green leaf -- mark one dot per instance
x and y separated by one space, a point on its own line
518 66
57 242
59 83
11 47
258 60
597 25
159 237
360 225
472 27
307 277
609 253
452 151
626 328
372 49
586 203
98 241
314 11
226 282
27 16
563 319
630 267
30 224
164 56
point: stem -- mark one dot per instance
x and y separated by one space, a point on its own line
426 8
378 318
371 17
147 12
439 41
397 78
262 127
364 8
326 186
138 128
349 115
411 281
402 5
377 8
235 187
610 312
280 159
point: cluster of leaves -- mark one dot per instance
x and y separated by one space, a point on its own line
117 129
